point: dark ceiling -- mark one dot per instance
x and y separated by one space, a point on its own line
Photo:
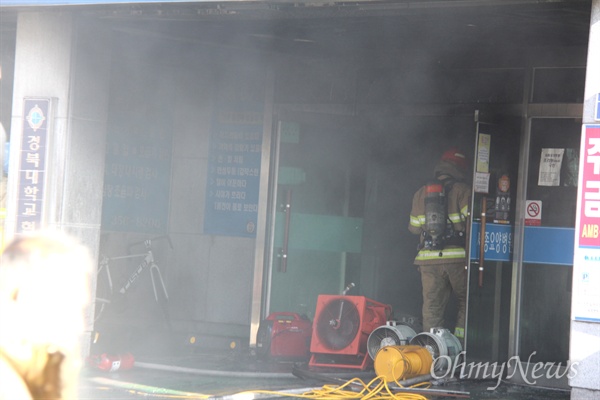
359 31
362 30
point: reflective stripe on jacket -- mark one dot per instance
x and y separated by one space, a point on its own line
449 252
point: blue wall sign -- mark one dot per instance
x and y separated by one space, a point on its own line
137 179
233 179
597 114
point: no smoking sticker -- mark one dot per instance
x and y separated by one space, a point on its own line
533 212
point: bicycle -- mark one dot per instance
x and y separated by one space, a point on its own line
105 294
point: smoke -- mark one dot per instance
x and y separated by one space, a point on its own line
377 91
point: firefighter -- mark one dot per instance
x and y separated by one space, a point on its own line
44 293
439 216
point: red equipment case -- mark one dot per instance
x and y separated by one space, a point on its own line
284 335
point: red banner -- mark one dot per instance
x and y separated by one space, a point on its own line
589 221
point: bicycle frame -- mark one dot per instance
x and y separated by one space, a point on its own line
147 262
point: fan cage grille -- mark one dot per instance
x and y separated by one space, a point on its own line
338 324
429 343
388 335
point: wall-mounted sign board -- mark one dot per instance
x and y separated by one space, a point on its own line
32 169
586 272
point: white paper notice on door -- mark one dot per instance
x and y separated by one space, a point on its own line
550 163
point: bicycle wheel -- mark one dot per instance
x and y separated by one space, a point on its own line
103 294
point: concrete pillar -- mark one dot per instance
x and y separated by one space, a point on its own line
585 336
67 60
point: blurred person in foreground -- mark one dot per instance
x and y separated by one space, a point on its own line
3 182
44 291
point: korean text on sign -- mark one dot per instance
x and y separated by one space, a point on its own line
589 231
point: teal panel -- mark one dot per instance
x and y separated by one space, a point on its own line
309 273
289 132
291 176
321 232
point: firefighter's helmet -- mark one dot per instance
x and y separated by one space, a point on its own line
456 157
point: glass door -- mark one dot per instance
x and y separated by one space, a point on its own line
548 240
496 162
317 212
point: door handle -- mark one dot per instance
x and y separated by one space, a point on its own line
286 231
482 240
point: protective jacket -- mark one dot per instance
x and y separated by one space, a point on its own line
458 200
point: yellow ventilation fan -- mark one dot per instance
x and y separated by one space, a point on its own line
395 363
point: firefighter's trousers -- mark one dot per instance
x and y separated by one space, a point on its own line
439 281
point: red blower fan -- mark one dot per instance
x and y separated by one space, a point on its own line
341 328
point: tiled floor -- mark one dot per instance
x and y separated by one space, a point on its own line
175 372
221 375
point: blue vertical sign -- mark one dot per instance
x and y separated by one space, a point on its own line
232 186
32 165
597 114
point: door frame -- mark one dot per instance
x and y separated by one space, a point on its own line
482 118
261 223
267 207
514 373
